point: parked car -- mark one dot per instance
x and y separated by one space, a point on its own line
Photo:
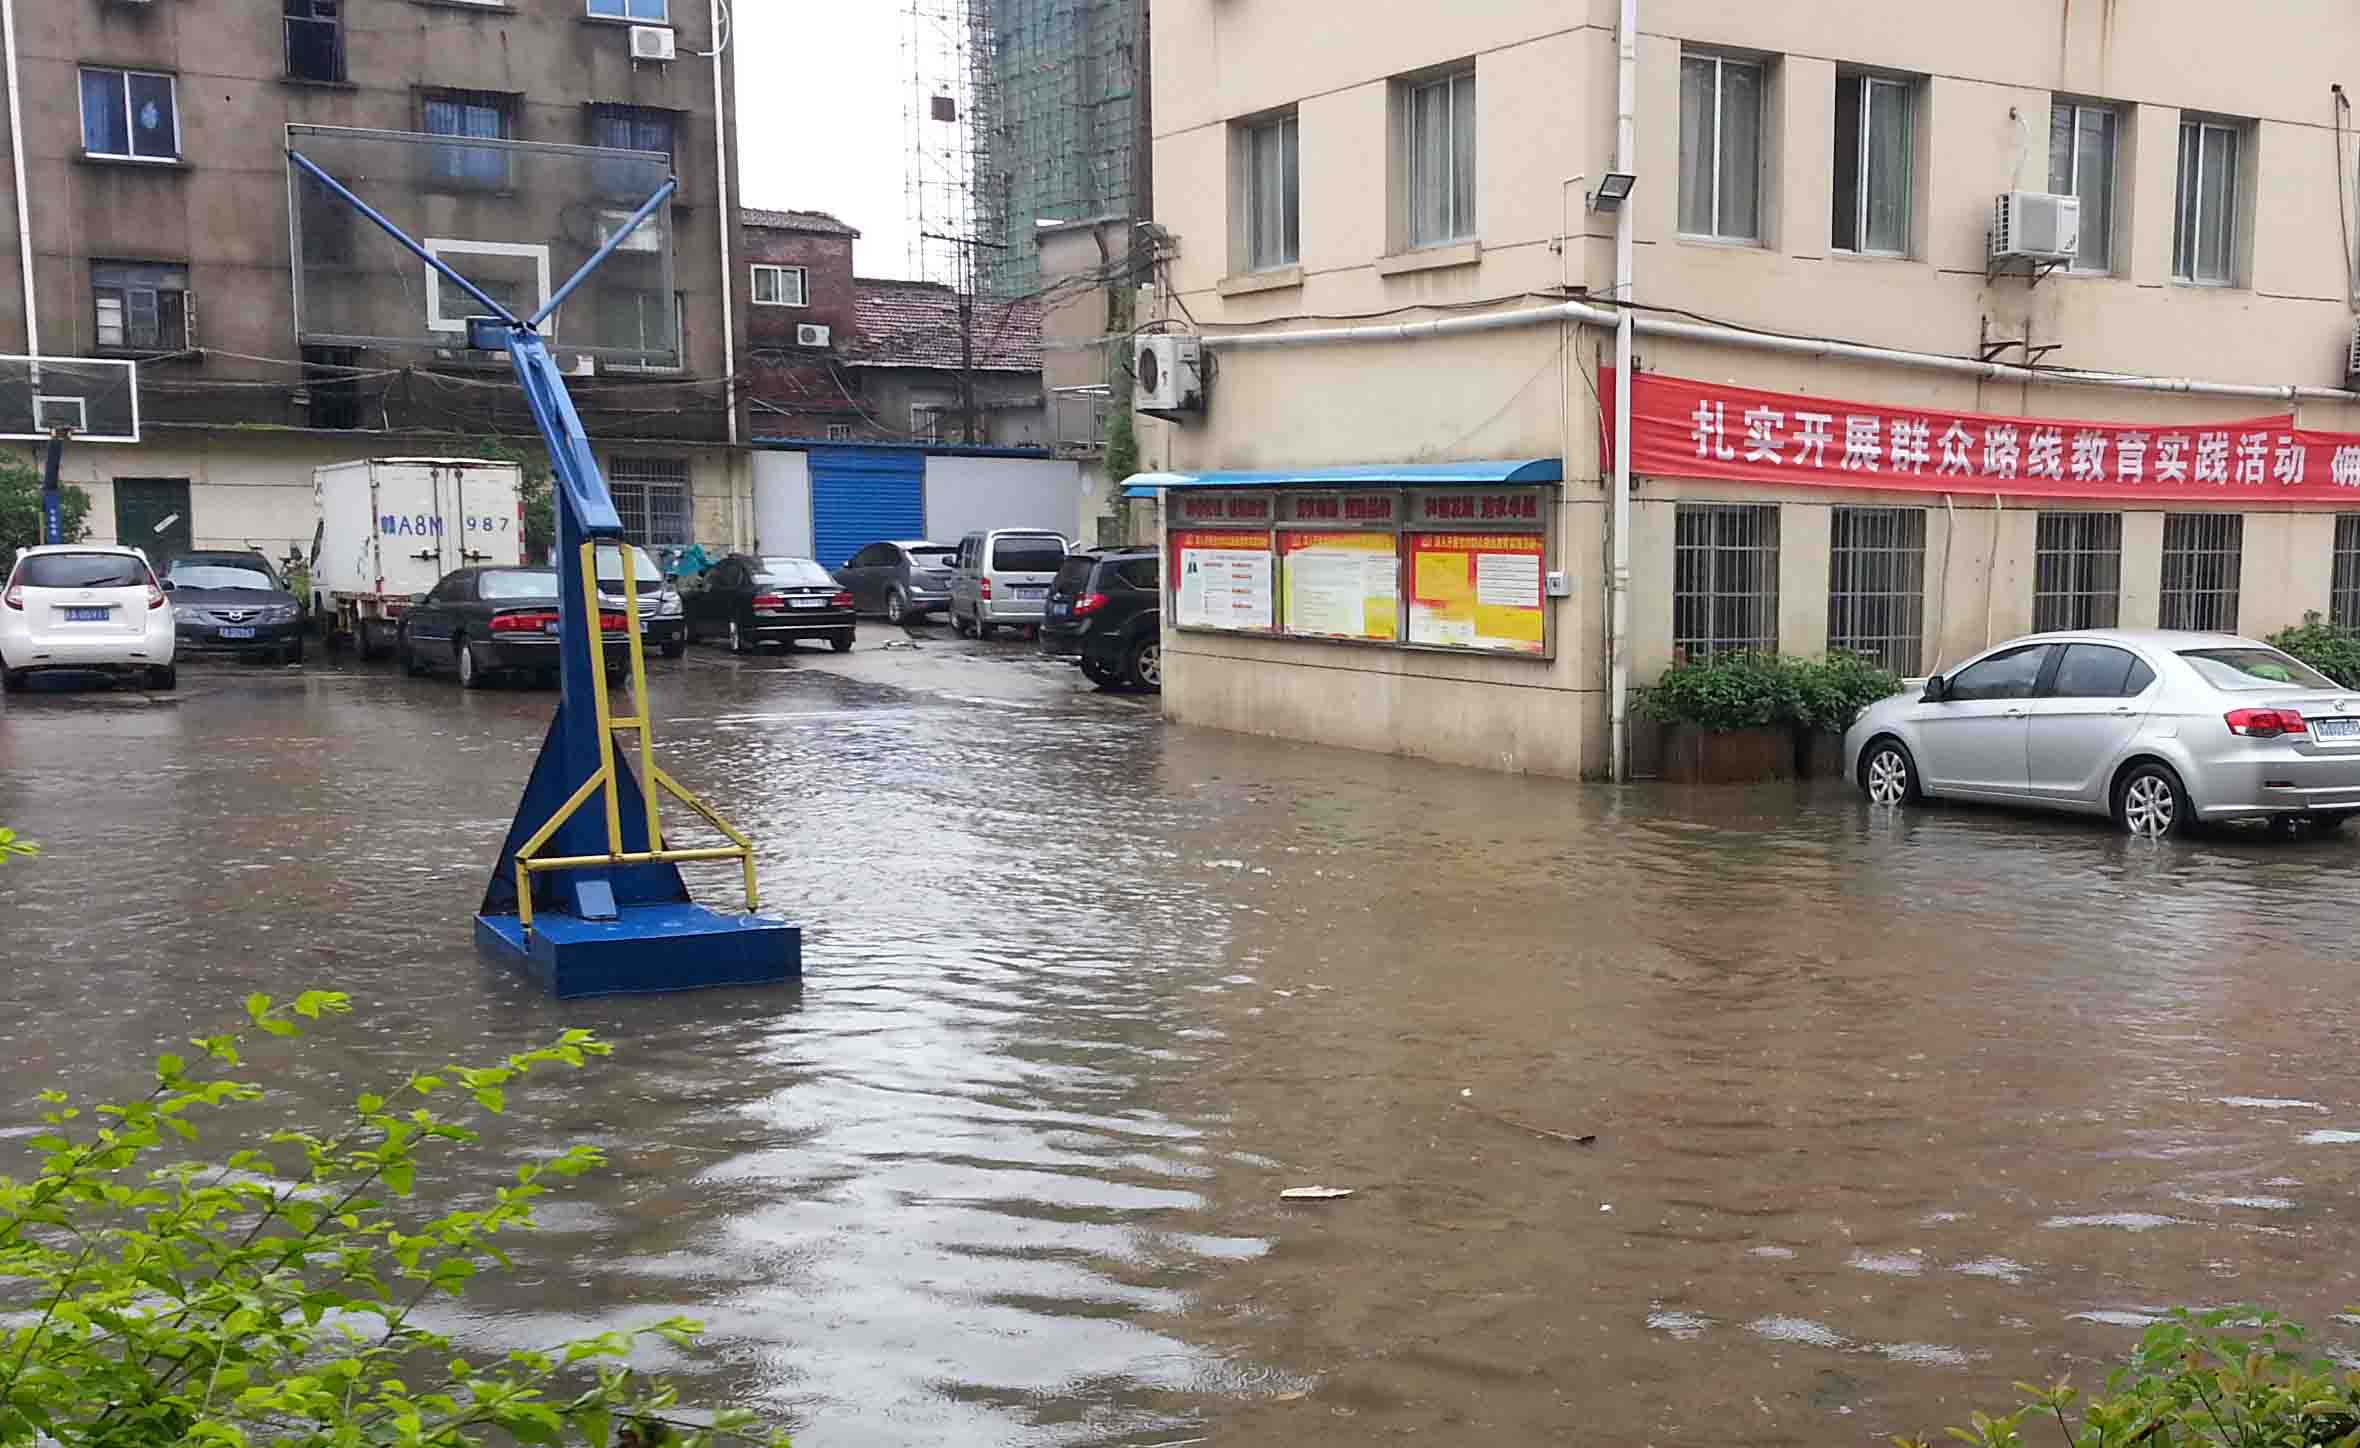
481 623
661 622
2162 730
902 581
752 601
234 602
1000 578
1106 611
85 606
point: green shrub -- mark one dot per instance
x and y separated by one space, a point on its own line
2333 651
1835 689
20 509
268 1296
1754 691
2233 1377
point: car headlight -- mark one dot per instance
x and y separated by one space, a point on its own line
668 606
278 613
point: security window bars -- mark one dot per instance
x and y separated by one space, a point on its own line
1724 579
467 113
2203 558
651 498
778 286
130 115
315 40
1720 148
1440 154
139 306
628 128
1268 179
1876 585
2204 218
2081 164
2076 571
1874 120
2343 599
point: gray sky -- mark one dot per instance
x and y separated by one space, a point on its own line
819 117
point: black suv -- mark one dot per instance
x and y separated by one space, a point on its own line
1107 610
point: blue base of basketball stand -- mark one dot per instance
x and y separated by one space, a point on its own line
646 948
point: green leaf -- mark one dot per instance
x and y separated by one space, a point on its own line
257 1006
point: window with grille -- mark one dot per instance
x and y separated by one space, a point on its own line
2343 601
2077 571
139 306
2203 558
1876 585
651 497
1724 579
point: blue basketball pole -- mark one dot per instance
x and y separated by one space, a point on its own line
53 498
595 903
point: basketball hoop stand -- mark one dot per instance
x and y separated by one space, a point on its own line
591 901
53 498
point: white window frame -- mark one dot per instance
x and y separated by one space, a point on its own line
2201 125
2075 109
122 75
590 9
451 246
778 275
839 432
1869 82
1458 228
1247 191
1720 64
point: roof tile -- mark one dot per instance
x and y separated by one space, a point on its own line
916 324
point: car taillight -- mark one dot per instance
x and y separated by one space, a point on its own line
769 600
983 587
155 596
14 597
2267 723
1089 603
522 622
841 600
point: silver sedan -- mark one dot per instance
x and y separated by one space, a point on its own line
2160 730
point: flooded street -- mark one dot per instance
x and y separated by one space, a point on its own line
1890 1111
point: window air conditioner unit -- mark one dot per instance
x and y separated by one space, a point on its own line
651 42
2035 226
1169 370
810 334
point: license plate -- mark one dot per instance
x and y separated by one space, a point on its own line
1028 595
2335 729
86 615
237 633
807 602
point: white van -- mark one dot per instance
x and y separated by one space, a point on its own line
1000 578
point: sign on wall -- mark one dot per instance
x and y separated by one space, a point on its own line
1341 585
1221 509
1222 579
1477 591
1687 429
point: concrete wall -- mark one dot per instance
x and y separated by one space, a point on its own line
1985 80
964 494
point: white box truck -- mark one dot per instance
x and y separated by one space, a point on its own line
390 528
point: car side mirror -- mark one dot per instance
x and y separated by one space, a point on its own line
166 585
1937 689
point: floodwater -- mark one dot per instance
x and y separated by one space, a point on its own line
1889 1110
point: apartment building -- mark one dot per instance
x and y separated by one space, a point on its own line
154 181
1854 426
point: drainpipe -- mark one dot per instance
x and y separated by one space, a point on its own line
721 182
1626 160
16 148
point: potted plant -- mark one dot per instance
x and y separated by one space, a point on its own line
1727 719
2333 651
1830 693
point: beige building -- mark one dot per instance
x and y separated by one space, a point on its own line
1817 171
144 215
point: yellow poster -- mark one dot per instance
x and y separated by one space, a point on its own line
1478 591
1341 585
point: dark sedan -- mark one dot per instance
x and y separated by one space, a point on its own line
233 602
481 623
902 581
753 601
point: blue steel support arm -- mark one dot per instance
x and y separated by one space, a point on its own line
557 298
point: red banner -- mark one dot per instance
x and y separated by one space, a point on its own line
1685 429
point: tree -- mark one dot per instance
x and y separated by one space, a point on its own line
160 1297
20 508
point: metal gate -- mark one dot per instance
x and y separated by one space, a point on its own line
862 495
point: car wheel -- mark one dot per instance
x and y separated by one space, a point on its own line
737 639
674 648
163 680
2328 824
1099 674
1888 774
842 642
406 649
984 630
463 658
897 606
1144 669
13 681
294 650
2151 802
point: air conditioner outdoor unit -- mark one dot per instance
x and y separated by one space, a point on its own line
581 364
810 334
2035 226
651 42
1169 370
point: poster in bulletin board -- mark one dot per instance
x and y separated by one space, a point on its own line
1477 591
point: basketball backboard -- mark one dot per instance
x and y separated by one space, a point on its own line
516 218
95 399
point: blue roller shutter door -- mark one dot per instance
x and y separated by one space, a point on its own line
860 496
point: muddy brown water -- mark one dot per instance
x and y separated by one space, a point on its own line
1890 1110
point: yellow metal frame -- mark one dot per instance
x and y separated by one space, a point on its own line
528 860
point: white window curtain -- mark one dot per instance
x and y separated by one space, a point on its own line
1441 154
2204 224
2081 164
1874 120
1270 177
1720 148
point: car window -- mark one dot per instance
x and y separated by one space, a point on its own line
643 568
793 573
867 557
1144 573
82 570
2094 671
1073 575
2141 677
1028 553
937 559
2252 668
509 583
450 590
2002 676
188 573
969 547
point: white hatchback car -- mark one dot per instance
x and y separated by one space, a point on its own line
2161 730
85 606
